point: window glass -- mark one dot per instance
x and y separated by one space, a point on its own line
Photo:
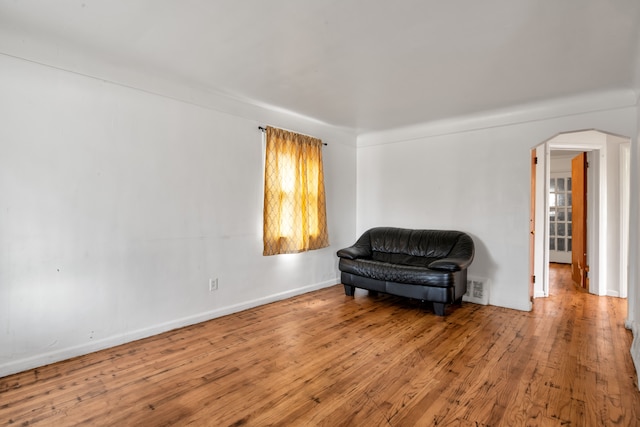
560 228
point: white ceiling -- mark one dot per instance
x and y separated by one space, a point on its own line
357 64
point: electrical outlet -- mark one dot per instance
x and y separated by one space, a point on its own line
213 284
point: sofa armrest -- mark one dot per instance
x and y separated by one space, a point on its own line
355 252
459 258
360 249
449 264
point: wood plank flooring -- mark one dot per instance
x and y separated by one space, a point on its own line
324 359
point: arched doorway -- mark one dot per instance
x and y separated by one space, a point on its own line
607 209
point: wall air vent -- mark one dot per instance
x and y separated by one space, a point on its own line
477 291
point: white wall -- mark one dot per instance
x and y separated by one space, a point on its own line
560 161
473 175
612 285
633 296
633 315
118 205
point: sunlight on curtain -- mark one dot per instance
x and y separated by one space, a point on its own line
295 217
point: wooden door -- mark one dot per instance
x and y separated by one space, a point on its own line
532 225
579 268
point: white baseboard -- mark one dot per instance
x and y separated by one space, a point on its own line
43 359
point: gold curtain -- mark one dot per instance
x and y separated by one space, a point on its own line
295 217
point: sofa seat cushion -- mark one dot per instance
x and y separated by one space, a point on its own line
402 259
400 273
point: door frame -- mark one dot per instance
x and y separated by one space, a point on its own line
625 194
594 142
532 225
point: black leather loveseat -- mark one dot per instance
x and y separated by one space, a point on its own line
429 265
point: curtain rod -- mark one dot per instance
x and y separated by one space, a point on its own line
263 129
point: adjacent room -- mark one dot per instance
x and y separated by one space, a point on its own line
133 150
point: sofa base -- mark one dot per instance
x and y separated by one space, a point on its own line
439 308
440 297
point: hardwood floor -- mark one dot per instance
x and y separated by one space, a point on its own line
326 359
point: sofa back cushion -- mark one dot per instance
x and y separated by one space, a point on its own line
411 247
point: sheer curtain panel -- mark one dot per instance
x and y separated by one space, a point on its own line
295 217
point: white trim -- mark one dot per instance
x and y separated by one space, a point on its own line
540 288
207 98
625 180
540 294
597 220
20 365
527 113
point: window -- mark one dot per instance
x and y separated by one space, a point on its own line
295 217
560 217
